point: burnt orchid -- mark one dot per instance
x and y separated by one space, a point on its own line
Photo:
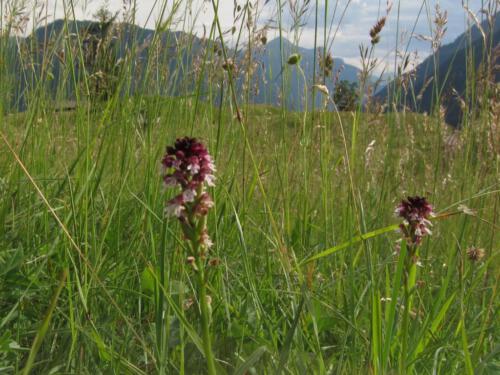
189 167
416 212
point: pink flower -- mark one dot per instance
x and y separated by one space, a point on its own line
210 179
205 240
191 163
175 206
416 212
205 203
188 195
188 165
170 181
414 208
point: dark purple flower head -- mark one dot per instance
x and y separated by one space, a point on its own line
414 209
189 166
189 163
416 212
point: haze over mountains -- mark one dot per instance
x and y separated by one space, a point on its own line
271 69
170 63
176 55
445 72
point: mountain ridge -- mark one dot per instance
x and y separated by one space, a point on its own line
179 51
449 62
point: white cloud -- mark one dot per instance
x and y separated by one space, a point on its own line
413 16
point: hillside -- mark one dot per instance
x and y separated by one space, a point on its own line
445 72
269 76
147 63
59 61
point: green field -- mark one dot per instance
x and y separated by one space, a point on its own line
307 274
82 194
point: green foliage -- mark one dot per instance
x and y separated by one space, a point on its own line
256 298
346 96
99 47
309 279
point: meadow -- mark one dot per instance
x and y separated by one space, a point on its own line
307 277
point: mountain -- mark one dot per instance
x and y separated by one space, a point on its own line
271 72
445 72
53 58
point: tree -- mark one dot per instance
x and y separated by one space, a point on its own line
346 96
100 56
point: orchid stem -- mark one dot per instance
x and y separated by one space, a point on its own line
404 329
205 318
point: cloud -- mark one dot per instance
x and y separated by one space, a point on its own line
347 21
407 20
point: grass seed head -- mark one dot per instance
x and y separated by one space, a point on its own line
228 65
475 254
376 29
293 59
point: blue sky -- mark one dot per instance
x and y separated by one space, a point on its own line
353 28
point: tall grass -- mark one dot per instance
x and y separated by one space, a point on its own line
82 197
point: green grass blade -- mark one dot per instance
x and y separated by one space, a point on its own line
434 325
376 332
285 352
178 313
390 321
251 361
44 327
465 348
352 241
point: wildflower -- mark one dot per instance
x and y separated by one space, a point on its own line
204 204
416 212
189 166
170 181
175 206
188 195
475 254
205 240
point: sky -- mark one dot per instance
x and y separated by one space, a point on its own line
348 21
